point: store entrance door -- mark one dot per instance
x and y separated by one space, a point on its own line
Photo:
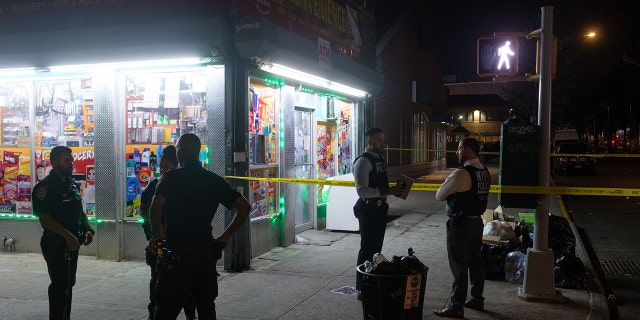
305 194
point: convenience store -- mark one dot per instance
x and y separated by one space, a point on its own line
117 105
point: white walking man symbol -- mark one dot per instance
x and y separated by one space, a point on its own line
504 52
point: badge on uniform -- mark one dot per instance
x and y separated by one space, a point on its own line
379 203
41 193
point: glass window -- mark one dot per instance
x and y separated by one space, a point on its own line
419 141
160 107
62 116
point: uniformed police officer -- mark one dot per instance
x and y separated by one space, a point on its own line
372 186
168 162
186 200
58 205
466 192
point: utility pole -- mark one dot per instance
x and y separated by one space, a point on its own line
539 281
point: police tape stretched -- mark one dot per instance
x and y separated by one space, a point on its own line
580 191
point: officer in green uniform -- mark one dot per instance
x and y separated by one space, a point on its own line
58 205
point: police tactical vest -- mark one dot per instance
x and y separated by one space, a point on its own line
378 177
472 202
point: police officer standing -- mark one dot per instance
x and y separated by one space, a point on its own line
58 205
168 162
466 192
372 186
186 199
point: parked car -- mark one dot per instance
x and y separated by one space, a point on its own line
573 157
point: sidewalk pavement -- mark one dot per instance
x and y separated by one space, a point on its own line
311 279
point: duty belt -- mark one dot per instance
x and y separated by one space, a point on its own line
377 201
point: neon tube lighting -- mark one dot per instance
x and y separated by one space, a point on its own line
132 64
313 80
17 72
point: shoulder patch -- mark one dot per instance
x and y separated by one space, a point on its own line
41 193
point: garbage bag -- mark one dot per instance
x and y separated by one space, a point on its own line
514 266
561 238
494 255
399 265
570 273
499 228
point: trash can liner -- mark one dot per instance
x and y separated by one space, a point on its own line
394 289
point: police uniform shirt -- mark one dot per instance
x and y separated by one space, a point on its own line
192 196
458 181
361 169
61 199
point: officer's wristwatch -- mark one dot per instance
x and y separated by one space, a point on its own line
93 232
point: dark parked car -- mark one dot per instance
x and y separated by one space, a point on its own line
573 157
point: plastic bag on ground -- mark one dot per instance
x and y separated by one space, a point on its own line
499 228
514 265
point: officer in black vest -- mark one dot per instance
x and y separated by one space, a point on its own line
372 185
466 192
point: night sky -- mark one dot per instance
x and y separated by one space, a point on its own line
456 25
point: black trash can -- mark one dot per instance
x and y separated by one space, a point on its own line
393 297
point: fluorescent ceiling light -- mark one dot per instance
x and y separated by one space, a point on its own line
130 64
17 72
293 74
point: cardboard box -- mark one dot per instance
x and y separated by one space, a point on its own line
406 184
528 217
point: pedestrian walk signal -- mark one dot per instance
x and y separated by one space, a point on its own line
497 56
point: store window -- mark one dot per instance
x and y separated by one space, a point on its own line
334 148
37 116
263 145
160 107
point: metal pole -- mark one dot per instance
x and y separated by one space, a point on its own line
541 231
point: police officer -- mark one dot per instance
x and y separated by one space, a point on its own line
186 200
168 162
58 205
372 185
466 192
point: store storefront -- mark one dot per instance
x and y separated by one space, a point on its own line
266 102
296 130
116 118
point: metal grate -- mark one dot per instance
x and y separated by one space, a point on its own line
620 267
345 290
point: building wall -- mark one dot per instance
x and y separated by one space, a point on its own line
416 61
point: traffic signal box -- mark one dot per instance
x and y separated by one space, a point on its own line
498 56
519 143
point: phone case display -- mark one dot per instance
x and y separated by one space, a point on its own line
163 106
60 116
262 194
262 124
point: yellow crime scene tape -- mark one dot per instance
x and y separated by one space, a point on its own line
578 191
594 155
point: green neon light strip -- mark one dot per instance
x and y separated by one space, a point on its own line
14 216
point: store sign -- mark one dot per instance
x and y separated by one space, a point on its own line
38 15
324 53
331 20
82 157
